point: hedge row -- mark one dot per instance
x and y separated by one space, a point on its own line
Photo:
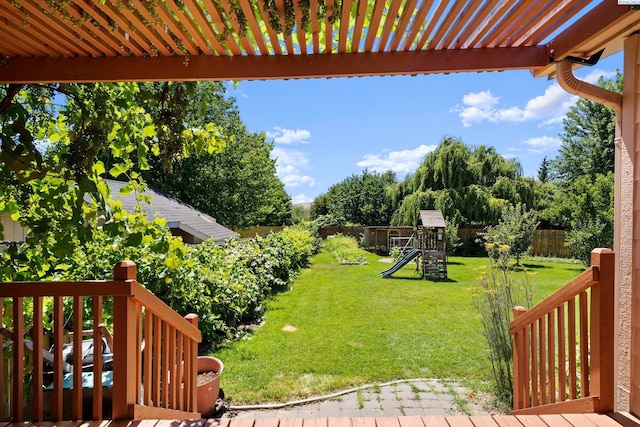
224 284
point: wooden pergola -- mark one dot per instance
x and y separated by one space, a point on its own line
44 41
116 40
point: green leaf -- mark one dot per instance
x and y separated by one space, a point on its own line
149 131
98 168
118 169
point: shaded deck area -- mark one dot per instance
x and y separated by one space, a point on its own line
549 420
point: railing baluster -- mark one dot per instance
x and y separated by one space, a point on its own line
562 358
542 359
36 338
3 395
571 313
584 346
18 358
97 358
157 360
527 367
173 390
146 361
76 399
58 330
179 403
551 356
165 365
535 397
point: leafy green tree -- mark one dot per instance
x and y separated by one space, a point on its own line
59 195
359 199
583 196
238 184
588 138
513 234
588 204
469 185
300 214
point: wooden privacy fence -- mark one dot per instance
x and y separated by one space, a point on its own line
154 352
563 355
545 242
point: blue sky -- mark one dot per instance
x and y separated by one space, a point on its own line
325 130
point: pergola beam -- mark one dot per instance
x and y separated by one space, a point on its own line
600 26
264 67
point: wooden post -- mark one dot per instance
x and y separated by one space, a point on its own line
124 346
602 329
191 351
519 359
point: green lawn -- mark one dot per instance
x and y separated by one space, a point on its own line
343 325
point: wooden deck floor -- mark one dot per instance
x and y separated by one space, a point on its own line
566 420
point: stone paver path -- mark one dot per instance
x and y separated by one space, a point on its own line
417 397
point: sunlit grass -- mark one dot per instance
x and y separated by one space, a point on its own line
343 325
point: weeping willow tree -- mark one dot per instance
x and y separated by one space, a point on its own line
469 185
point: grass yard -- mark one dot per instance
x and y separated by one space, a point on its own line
343 325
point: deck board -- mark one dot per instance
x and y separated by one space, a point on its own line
386 422
531 421
579 420
412 421
555 420
435 421
548 420
483 421
291 422
506 421
337 422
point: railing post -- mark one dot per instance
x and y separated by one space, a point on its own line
602 329
519 359
124 345
191 382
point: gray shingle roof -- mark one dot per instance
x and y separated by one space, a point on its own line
179 216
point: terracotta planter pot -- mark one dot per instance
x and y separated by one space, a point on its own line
207 394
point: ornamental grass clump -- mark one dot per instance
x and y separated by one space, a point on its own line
345 249
498 294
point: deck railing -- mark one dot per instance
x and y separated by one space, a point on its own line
563 352
154 352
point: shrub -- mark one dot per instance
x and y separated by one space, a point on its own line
498 294
345 249
514 231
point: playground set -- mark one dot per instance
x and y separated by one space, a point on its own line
426 245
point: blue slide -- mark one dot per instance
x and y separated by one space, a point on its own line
401 262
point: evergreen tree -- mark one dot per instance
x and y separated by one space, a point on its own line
588 138
543 172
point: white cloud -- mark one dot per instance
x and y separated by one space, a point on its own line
401 162
541 144
289 163
548 108
289 136
300 198
295 180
